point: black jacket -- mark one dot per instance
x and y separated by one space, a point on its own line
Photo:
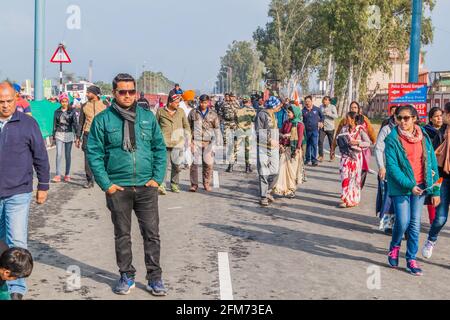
436 136
65 121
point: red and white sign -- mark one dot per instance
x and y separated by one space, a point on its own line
415 94
61 55
421 109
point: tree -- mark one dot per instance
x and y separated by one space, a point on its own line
242 63
154 82
106 88
341 40
361 40
284 42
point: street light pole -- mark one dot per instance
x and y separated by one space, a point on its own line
416 31
230 87
39 49
145 77
221 84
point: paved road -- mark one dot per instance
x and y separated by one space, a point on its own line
304 248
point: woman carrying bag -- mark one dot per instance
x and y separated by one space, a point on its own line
352 141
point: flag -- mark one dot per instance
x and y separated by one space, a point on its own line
296 98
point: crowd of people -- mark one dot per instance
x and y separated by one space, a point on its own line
132 150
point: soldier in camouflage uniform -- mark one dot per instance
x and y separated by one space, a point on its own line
245 118
228 116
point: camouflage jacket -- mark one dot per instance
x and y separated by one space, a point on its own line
228 113
245 118
204 128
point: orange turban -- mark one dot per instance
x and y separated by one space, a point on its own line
188 95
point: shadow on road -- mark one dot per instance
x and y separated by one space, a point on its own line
315 244
52 257
303 216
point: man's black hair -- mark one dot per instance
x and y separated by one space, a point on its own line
123 77
18 261
447 107
309 97
204 97
394 106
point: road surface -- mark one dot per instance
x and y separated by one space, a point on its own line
304 248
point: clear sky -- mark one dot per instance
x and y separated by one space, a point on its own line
183 39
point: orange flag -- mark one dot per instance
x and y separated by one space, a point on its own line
296 98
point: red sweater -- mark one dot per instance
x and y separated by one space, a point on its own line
414 153
286 129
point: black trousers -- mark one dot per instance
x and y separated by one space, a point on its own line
87 168
322 135
144 202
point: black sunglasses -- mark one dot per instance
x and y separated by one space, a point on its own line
124 92
406 118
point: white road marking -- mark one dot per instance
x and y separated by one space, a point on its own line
175 208
216 179
226 290
370 170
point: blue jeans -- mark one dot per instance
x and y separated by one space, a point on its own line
312 143
441 212
14 212
408 211
59 154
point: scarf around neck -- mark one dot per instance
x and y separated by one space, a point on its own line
129 117
297 116
414 137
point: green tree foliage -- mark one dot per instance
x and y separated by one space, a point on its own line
242 63
154 82
106 88
362 39
284 41
303 37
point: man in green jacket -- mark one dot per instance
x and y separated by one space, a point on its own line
176 131
127 155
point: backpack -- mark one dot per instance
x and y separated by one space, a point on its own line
343 142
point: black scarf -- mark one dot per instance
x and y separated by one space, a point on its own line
129 118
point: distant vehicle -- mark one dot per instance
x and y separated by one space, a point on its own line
80 88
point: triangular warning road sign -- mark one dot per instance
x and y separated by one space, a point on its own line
60 56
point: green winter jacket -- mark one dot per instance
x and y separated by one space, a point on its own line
4 293
400 175
111 164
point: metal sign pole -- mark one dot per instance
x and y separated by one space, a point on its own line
60 78
39 49
415 41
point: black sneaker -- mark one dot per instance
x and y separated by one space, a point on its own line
315 164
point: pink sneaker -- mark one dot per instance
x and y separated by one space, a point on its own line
67 179
393 257
413 268
56 179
